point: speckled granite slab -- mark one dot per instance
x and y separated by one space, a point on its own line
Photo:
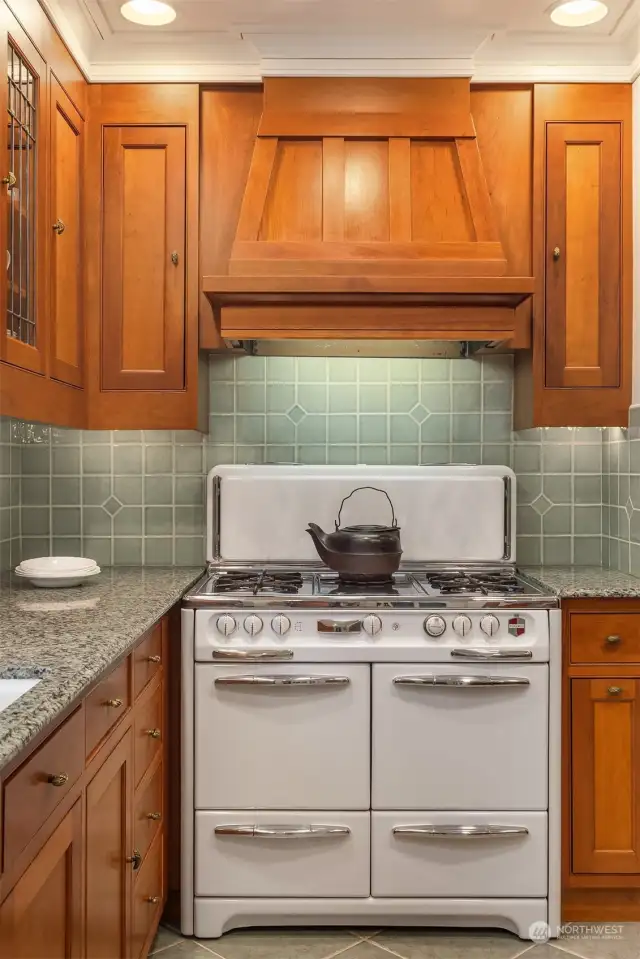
68 637
586 582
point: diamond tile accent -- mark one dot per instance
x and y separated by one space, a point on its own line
112 505
419 413
629 507
542 504
296 414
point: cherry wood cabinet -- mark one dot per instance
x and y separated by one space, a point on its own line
83 867
601 766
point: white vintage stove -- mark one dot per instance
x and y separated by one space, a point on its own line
384 755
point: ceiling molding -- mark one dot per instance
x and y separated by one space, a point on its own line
163 72
370 67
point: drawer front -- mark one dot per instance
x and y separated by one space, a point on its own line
147 659
282 854
148 898
149 732
605 638
416 854
148 810
32 793
107 704
282 736
481 746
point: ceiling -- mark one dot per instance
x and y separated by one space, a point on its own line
244 40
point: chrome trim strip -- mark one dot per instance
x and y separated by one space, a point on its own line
339 626
282 681
492 652
252 655
460 682
216 517
282 832
507 519
460 832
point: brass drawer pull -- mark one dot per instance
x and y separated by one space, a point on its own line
113 702
10 180
135 859
614 690
154 900
175 259
556 253
59 227
155 816
153 733
612 640
154 659
58 779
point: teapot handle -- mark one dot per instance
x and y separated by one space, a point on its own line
377 490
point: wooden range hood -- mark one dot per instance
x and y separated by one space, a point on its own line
366 214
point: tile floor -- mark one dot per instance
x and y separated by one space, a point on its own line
624 943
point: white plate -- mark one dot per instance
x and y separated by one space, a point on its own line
57 580
57 564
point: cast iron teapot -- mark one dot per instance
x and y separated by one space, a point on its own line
360 551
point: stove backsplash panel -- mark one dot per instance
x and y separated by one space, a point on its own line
131 497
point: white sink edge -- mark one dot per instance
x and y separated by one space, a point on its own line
12 689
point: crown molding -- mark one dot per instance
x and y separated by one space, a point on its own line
163 72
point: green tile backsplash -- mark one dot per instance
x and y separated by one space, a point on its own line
128 497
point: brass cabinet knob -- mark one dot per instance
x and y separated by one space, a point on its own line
153 733
156 816
58 779
10 180
113 702
612 640
556 253
175 259
154 900
154 659
58 227
614 690
135 859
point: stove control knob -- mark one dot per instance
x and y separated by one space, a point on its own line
226 624
490 624
372 624
253 624
281 624
462 625
434 626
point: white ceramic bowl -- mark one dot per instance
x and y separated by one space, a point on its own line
57 580
57 564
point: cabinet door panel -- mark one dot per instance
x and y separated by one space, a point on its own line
66 254
143 274
605 724
42 915
583 255
109 844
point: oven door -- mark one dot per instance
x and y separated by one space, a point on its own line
460 737
282 736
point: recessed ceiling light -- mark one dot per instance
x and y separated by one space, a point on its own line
579 13
150 13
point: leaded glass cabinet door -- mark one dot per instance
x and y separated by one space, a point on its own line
23 191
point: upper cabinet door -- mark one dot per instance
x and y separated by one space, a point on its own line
66 338
23 194
143 266
583 331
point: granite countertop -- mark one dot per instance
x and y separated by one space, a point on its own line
585 582
68 637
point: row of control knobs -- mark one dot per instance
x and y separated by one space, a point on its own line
227 625
434 625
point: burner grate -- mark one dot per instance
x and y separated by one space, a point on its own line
483 584
259 582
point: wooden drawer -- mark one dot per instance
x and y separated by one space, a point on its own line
31 795
148 815
605 638
148 898
147 659
107 704
149 731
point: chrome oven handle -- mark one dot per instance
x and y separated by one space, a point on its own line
251 655
460 832
282 681
460 682
491 653
339 626
283 831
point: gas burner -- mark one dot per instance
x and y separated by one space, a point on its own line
365 582
258 582
463 583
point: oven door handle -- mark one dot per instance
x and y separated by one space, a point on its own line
460 682
285 831
460 832
282 681
252 655
492 652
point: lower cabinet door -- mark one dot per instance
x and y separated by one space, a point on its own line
42 915
302 854
460 854
148 899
